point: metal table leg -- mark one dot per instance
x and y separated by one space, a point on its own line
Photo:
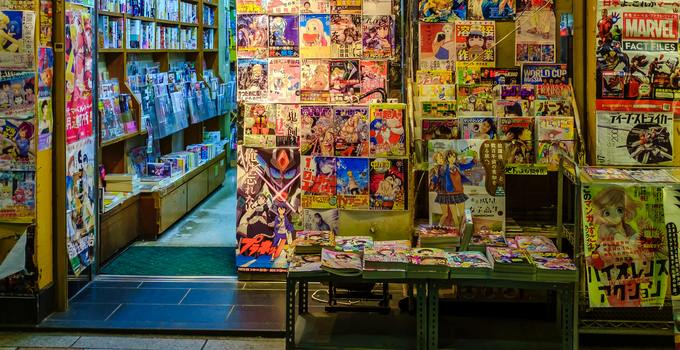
303 296
432 314
569 329
290 314
421 316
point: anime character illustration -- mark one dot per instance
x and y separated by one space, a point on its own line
315 35
434 129
318 183
437 46
447 179
284 36
321 220
373 81
284 80
6 201
346 36
11 39
251 36
491 9
283 229
387 180
540 23
288 125
345 83
378 39
23 140
259 126
387 134
5 100
475 41
315 81
252 79
317 131
351 131
442 10
353 184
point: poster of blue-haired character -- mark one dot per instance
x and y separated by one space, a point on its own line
491 9
442 10
353 185
17 44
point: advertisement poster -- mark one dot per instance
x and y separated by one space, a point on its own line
437 46
45 22
252 80
388 184
315 36
17 46
284 36
44 124
252 36
266 206
373 81
17 94
625 246
17 196
17 141
379 39
353 185
475 41
535 35
442 11
284 80
346 36
45 71
81 202
259 125
491 9
345 84
78 55
315 81
318 182
351 131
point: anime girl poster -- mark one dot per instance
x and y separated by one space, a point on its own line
535 38
353 184
283 6
17 142
321 220
17 196
491 9
315 36
259 125
284 36
17 94
17 47
437 46
438 129
267 200
388 184
284 80
315 81
346 36
346 7
351 131
373 81
378 39
388 129
345 81
45 123
475 41
251 80
475 100
314 6
288 125
317 138
81 202
442 10
252 36
45 71
78 55
319 182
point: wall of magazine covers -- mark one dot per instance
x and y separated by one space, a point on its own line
321 148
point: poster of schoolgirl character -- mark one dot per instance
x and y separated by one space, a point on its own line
346 36
315 36
351 131
346 7
345 81
45 122
437 46
288 125
17 94
373 81
353 184
314 6
535 37
475 41
320 220
17 196
46 23
252 36
267 199
45 71
491 9
259 125
283 6
17 144
442 10
388 184
78 55
315 81
284 36
284 80
387 130
318 182
17 47
317 131
378 39
81 203
251 80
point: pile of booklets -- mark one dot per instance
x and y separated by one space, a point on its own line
551 265
341 263
353 243
470 264
113 199
508 263
306 266
312 242
428 263
153 183
441 237
387 259
482 239
122 183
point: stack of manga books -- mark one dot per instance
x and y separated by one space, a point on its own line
442 237
355 244
509 263
554 267
312 242
469 264
308 265
483 239
341 263
428 263
536 244
386 261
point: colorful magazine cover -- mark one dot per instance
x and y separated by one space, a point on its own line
319 220
429 231
625 246
17 52
249 6
283 6
625 138
46 123
315 36
544 74
518 132
482 128
314 6
388 184
17 196
549 152
305 263
45 23
378 39
78 77
80 199
468 77
353 184
266 202
377 7
346 7
353 243
388 130
512 108
475 39
373 81
393 254
315 81
346 36
606 174
552 261
491 10
340 260
259 125
552 108
345 81
672 215
535 37
475 100
311 238
555 128
288 119
437 47
17 94
536 244
45 71
505 255
284 35
284 80
317 131
650 175
252 36
469 259
439 129
319 182
500 76
434 77
553 92
489 239
428 256
514 92
17 138
437 109
252 80
442 11
437 92
351 131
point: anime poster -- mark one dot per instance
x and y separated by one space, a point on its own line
17 47
625 245
437 47
268 200
284 36
535 34
351 131
45 22
319 182
438 129
388 184
288 125
45 122
79 64
512 108
544 74
346 7
491 9
481 128
378 40
317 131
388 130
442 10
45 71
252 80
345 84
346 36
552 108
314 6
284 80
500 76
444 92
17 139
438 109
252 36
249 6
81 203
517 132
283 6
475 100
475 41
373 81
259 125
315 81
17 94
17 196
434 77
320 220
625 138
353 184
378 7
315 36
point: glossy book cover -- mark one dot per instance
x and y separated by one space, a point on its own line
353 243
505 255
536 244
469 259
386 254
437 231
312 238
553 261
340 260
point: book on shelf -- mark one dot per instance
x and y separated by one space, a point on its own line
341 263
312 242
308 265
404 243
650 175
608 174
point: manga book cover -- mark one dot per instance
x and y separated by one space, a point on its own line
535 33
315 36
353 183
81 203
434 77
470 259
159 169
267 198
345 81
437 47
319 182
544 74
490 239
252 36
475 41
45 23
439 129
78 73
388 130
45 71
555 128
320 220
17 139
17 94
556 108
307 263
252 80
351 131
284 36
431 231
386 254
475 100
249 6
373 81
259 125
17 196
17 47
346 36
378 40
491 9
650 175
625 245
346 7
283 6
317 131
536 244
468 77
284 80
314 6
438 109
45 121
506 255
377 7
315 81
514 92
288 119
625 138
388 184
552 261
512 108
500 76
353 243
549 152
428 256
341 261
517 132
481 128
437 92
314 238
442 10
553 92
